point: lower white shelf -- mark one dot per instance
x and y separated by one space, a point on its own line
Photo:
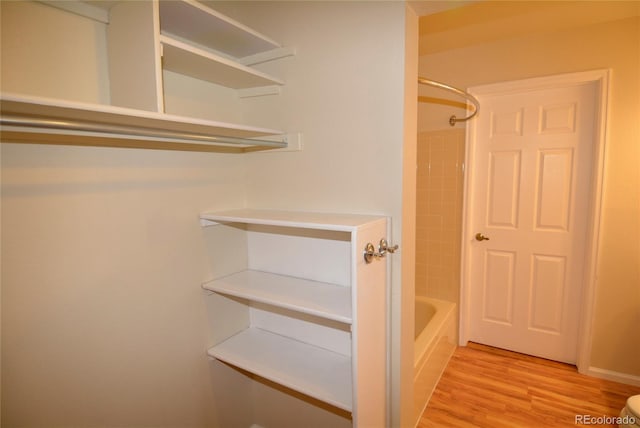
316 372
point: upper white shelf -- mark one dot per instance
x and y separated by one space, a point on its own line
321 299
187 19
116 123
196 22
306 220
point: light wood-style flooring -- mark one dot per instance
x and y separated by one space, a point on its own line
489 387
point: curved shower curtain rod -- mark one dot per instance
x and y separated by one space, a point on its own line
453 119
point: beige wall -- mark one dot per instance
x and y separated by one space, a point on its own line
103 321
561 46
52 61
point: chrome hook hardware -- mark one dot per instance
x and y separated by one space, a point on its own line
384 248
370 253
481 237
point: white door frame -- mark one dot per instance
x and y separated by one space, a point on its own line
601 79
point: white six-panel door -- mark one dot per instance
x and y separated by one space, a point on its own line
528 192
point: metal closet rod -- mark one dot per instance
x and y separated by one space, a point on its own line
131 131
453 119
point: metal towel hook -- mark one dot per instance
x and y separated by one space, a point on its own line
383 248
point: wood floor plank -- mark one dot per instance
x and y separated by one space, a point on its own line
489 387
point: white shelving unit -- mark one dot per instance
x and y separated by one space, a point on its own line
318 331
202 43
191 20
192 61
144 39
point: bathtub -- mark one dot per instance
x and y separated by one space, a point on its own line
435 341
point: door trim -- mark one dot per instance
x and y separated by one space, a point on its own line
600 78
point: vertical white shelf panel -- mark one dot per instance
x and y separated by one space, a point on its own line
135 78
297 324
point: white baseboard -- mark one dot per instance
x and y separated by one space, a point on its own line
614 376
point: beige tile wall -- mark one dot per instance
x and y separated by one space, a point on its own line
439 213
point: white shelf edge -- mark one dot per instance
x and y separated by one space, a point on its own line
316 372
295 219
324 300
190 60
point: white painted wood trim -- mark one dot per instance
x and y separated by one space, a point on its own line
463 310
614 376
159 76
543 82
585 335
601 77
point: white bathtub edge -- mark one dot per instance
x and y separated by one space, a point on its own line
433 349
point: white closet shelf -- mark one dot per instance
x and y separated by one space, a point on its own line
91 122
320 299
183 58
194 21
316 372
305 220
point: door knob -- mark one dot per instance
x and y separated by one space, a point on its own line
481 237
